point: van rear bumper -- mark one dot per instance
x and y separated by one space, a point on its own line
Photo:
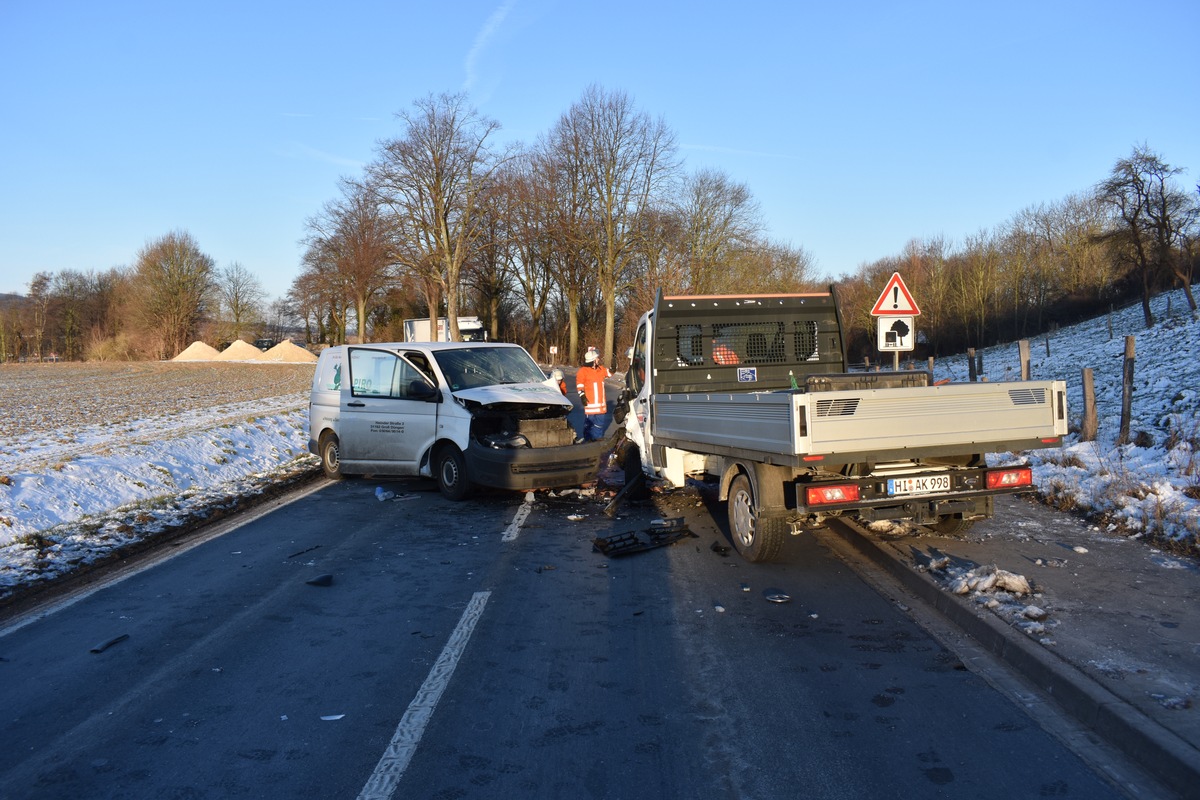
536 468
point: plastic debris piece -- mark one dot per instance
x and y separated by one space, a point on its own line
332 717
383 494
720 609
776 596
719 549
619 544
574 517
745 587
1079 548
100 648
321 580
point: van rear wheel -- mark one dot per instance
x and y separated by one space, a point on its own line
331 457
450 468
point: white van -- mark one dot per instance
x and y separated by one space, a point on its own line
461 412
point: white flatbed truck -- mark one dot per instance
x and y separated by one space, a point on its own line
752 392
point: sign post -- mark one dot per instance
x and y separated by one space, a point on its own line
896 313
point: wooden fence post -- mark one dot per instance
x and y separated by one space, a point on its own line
1023 349
1091 423
979 364
971 374
1126 391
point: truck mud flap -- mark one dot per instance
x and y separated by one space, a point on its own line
659 534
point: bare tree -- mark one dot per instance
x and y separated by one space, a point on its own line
1151 218
39 302
432 180
627 161
720 219
241 297
353 240
172 282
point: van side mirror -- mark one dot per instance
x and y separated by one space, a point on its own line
420 390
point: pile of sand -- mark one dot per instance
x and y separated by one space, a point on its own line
283 353
287 353
239 351
197 351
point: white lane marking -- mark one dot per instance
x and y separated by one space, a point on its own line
400 750
514 527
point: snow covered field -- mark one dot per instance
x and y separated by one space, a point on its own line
96 456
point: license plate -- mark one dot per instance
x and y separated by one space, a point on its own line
922 484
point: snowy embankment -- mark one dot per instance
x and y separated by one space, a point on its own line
1151 486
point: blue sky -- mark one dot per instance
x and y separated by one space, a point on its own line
857 126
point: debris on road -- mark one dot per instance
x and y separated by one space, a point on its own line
321 580
657 535
100 648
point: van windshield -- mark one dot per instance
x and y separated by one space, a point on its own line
472 367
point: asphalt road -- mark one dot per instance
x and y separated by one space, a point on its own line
483 650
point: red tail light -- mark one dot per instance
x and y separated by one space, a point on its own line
841 493
1009 478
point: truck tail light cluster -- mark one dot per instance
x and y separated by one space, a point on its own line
1009 478
823 495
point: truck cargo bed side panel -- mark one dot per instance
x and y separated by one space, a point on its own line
980 417
745 422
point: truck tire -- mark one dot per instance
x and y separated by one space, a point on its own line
450 468
756 539
952 525
331 457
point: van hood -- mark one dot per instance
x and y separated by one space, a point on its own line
530 393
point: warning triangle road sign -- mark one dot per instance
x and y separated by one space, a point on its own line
895 300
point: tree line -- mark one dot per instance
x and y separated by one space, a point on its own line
565 241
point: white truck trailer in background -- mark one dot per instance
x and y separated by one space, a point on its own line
469 328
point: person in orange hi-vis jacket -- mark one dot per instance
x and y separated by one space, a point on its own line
589 381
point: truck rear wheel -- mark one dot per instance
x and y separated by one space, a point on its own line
331 457
952 525
451 470
756 539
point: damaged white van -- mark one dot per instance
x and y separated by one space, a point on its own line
464 413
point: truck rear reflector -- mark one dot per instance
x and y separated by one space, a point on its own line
841 493
1009 478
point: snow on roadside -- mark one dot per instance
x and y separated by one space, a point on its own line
55 519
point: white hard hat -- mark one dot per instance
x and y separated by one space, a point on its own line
590 356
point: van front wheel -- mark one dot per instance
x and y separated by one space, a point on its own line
451 470
331 457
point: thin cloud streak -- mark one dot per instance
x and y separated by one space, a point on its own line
482 39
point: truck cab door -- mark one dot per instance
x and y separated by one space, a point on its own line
638 384
387 414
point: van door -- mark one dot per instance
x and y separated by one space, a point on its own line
387 420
